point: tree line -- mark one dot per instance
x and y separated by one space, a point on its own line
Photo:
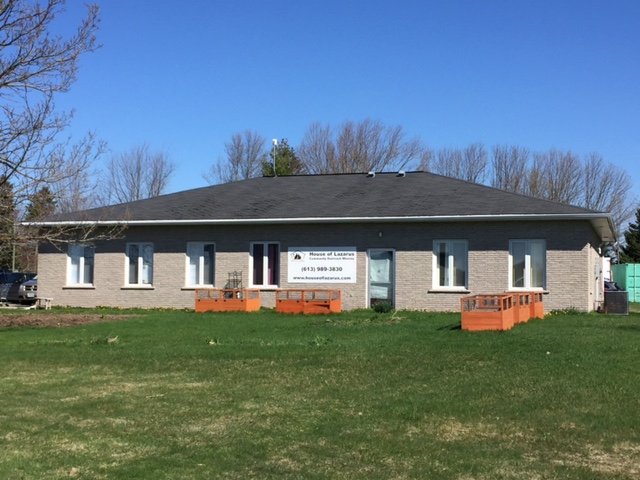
558 175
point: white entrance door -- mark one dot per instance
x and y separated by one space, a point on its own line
381 276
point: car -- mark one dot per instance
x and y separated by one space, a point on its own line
8 278
24 289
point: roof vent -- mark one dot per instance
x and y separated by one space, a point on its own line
371 174
401 173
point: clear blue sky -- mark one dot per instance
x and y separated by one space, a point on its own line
184 76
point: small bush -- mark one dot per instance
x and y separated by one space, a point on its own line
382 307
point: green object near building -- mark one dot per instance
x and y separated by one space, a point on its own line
627 275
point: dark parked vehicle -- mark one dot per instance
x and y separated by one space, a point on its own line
25 290
11 289
7 278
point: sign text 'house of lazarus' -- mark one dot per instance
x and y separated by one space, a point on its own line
322 265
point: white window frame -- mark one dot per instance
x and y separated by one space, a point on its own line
200 268
140 266
527 265
449 287
79 280
265 265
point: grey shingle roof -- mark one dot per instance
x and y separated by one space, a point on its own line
385 195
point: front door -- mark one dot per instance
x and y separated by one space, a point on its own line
381 276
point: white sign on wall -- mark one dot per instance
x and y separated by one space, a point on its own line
322 265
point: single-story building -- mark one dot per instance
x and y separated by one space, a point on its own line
417 240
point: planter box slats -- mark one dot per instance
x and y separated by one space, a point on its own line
537 307
308 301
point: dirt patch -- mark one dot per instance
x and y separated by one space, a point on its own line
55 319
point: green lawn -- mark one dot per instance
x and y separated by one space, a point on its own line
175 395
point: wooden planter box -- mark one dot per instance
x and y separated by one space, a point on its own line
308 301
523 307
488 312
537 307
227 300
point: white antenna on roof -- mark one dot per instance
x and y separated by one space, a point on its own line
275 148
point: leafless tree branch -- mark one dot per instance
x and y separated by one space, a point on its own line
135 175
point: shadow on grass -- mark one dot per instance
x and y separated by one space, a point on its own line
453 326
630 328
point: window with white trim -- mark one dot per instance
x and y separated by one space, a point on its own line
265 264
80 264
200 264
139 266
450 261
528 259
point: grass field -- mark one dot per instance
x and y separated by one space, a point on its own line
359 395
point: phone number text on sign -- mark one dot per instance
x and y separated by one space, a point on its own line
322 265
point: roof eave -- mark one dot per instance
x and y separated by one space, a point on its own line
602 223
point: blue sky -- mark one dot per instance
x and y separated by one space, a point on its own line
184 76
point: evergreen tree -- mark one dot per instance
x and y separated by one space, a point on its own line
286 161
630 251
41 205
7 223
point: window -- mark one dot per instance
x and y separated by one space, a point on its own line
80 265
265 268
528 261
450 264
139 264
200 264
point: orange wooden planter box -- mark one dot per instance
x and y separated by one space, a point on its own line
227 300
308 301
488 312
537 307
523 306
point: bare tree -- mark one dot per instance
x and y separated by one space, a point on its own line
158 174
78 191
448 162
245 154
474 163
510 166
35 67
468 164
135 175
427 158
606 188
317 150
556 176
365 146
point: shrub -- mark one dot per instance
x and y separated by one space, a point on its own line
382 307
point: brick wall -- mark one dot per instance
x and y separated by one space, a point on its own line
571 259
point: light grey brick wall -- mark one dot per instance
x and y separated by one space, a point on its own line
571 258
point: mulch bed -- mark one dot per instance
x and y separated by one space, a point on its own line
55 319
